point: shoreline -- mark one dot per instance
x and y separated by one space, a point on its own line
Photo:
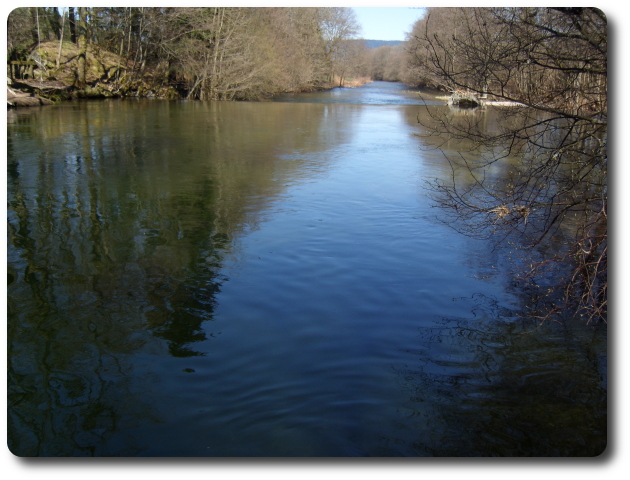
483 103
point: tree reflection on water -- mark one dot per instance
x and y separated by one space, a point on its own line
92 290
120 218
505 387
110 259
124 219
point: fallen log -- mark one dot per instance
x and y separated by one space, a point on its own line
20 99
41 85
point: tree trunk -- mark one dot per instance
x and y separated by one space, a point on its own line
73 25
63 21
82 42
219 12
35 30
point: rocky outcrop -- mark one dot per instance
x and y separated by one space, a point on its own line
55 64
54 76
464 100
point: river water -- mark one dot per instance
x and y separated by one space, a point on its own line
268 279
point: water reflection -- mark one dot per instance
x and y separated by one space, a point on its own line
376 93
498 382
502 387
120 217
225 279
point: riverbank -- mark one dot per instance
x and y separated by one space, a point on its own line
33 93
483 102
355 82
16 98
50 74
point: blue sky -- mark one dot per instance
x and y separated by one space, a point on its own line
386 23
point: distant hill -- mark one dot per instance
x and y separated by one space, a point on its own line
380 43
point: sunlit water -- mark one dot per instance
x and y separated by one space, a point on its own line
268 279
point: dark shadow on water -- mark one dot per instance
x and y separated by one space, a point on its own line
508 387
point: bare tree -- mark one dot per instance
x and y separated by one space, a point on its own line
222 53
82 43
549 196
350 59
294 35
337 24
247 53
73 25
204 53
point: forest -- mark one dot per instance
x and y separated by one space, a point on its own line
233 53
205 53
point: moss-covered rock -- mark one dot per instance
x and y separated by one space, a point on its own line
52 63
107 74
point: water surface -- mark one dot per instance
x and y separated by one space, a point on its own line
268 279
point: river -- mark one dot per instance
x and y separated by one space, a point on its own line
268 279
